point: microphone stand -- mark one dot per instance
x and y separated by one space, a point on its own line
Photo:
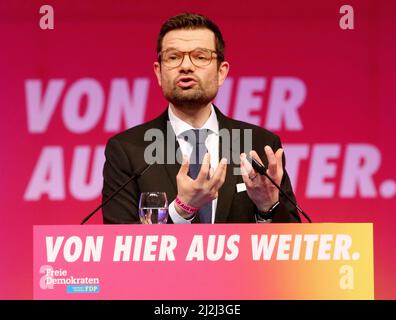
133 177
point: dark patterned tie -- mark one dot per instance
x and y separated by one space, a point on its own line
197 137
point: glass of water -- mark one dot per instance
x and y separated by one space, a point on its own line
153 208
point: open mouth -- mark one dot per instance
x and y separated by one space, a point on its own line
186 82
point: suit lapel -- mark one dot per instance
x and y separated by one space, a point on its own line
227 191
171 166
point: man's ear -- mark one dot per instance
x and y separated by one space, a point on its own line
223 71
157 71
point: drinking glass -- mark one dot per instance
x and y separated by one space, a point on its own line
153 208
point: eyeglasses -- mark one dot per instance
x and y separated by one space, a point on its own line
199 57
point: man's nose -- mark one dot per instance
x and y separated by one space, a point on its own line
187 63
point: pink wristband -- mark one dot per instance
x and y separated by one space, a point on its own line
185 206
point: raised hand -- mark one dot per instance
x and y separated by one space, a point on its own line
260 190
196 193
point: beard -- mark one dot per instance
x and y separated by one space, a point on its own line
193 97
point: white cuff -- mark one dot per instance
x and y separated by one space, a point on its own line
260 220
177 218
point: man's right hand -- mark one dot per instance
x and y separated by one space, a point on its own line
200 191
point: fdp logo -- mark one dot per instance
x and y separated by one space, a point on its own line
46 280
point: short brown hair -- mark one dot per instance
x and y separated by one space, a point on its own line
192 21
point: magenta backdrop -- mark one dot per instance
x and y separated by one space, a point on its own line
326 91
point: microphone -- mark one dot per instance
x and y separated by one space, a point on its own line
262 170
136 175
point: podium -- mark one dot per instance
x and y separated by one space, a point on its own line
204 262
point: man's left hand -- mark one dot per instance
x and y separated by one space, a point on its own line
259 189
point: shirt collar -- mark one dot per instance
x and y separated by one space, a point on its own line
180 126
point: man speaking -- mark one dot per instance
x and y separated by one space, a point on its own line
208 186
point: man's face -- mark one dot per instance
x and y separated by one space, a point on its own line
188 85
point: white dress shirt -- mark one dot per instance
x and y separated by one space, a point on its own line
212 144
